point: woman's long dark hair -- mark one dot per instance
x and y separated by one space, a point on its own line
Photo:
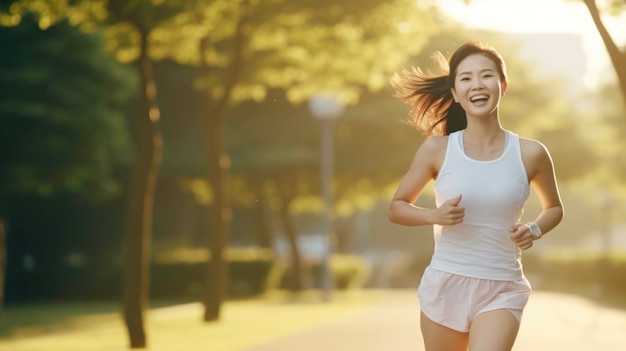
433 109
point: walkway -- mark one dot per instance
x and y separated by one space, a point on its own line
552 321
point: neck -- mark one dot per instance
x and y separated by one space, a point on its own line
483 131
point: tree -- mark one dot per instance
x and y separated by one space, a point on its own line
307 47
617 55
130 25
66 134
142 17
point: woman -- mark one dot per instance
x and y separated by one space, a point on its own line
473 292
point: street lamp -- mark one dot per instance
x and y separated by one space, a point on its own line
326 108
606 205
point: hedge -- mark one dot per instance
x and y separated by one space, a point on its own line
177 274
546 270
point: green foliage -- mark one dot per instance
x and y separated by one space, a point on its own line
61 98
277 142
301 47
178 272
177 277
121 19
615 7
347 271
183 280
89 13
306 47
198 255
579 270
49 12
605 122
618 6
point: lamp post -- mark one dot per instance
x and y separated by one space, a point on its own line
606 205
326 109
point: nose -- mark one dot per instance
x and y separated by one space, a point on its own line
477 84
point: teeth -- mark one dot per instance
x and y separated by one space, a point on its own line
478 97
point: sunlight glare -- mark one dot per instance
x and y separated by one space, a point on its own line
541 16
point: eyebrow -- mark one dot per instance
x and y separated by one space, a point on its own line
481 71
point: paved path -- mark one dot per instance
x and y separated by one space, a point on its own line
552 321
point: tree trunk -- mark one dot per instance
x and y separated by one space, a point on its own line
220 215
3 262
296 281
142 187
618 58
262 225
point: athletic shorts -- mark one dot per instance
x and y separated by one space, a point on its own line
454 301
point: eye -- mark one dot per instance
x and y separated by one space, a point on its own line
464 79
488 76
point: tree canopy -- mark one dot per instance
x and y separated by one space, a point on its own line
59 130
306 47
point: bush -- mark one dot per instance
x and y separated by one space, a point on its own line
185 280
347 272
181 272
176 274
575 269
553 270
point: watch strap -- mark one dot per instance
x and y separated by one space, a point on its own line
534 229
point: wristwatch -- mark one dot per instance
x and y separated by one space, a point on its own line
534 229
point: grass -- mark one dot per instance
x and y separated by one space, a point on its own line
179 327
41 318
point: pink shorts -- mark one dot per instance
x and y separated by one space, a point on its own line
454 300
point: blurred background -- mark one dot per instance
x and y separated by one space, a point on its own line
157 152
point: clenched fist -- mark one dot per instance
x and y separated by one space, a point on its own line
450 213
520 235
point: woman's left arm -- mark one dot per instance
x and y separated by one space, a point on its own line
543 181
544 184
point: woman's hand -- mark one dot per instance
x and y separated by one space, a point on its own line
449 213
520 235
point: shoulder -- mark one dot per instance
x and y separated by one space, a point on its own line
535 156
532 148
431 150
433 147
435 143
431 153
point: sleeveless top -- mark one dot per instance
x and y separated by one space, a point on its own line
493 193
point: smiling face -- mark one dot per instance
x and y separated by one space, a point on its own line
478 86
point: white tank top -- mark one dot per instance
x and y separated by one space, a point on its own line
494 194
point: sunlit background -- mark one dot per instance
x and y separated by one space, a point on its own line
174 172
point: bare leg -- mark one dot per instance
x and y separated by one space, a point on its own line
493 331
440 338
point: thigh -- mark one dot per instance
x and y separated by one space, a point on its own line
493 331
440 338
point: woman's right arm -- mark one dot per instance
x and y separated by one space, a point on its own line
424 168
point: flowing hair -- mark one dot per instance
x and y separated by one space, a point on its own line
433 110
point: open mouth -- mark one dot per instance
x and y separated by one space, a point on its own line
479 98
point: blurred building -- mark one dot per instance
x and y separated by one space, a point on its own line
559 55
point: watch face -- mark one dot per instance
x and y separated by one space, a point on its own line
535 231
